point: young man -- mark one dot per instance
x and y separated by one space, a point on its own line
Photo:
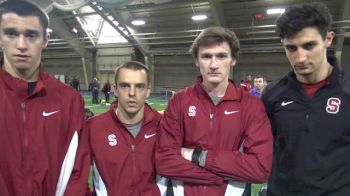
43 148
259 85
309 109
205 126
123 139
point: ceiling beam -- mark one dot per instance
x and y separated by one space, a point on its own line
116 16
61 29
218 13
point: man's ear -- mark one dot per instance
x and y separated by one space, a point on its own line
329 38
46 41
148 90
234 61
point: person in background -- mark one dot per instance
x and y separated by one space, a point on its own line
106 89
75 83
95 89
205 125
259 85
309 109
123 139
246 84
43 144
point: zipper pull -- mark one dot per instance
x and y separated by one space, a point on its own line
133 148
211 116
23 106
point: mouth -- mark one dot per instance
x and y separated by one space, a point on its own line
132 103
21 57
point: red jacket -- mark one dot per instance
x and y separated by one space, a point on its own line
191 119
124 165
36 133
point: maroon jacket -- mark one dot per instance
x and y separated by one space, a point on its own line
191 119
36 133
124 165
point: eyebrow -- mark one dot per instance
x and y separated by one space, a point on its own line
29 31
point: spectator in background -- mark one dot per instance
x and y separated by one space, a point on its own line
75 83
205 126
246 84
95 89
309 109
259 85
123 139
43 144
106 89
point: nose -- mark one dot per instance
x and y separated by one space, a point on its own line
132 90
300 55
214 62
21 43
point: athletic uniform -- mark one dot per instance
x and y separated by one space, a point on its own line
237 121
39 139
312 137
124 165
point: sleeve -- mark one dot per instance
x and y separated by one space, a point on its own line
78 181
169 161
253 165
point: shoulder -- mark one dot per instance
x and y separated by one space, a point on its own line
99 119
345 83
275 88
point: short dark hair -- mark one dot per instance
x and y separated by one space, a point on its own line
298 17
213 36
25 8
133 65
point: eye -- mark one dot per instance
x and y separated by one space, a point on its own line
309 46
123 85
140 86
222 56
291 48
10 33
206 56
32 34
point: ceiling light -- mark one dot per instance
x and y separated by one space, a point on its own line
275 11
116 23
48 30
138 22
110 18
199 17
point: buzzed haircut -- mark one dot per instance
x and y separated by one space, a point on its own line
133 65
25 8
214 36
298 17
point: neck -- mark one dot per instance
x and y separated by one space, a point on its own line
129 118
325 71
218 90
29 75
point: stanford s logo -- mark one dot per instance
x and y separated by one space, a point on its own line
192 110
333 105
112 140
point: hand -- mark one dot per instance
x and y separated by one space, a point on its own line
186 153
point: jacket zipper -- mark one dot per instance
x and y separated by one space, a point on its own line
24 106
211 118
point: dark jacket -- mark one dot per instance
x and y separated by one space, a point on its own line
311 137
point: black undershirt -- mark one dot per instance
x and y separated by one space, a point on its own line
31 87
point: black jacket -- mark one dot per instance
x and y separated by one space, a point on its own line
311 137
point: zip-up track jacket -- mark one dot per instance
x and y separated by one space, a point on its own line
123 165
312 137
239 120
43 148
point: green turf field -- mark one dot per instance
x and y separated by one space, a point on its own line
158 105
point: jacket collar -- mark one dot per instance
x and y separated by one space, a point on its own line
232 92
149 113
20 87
